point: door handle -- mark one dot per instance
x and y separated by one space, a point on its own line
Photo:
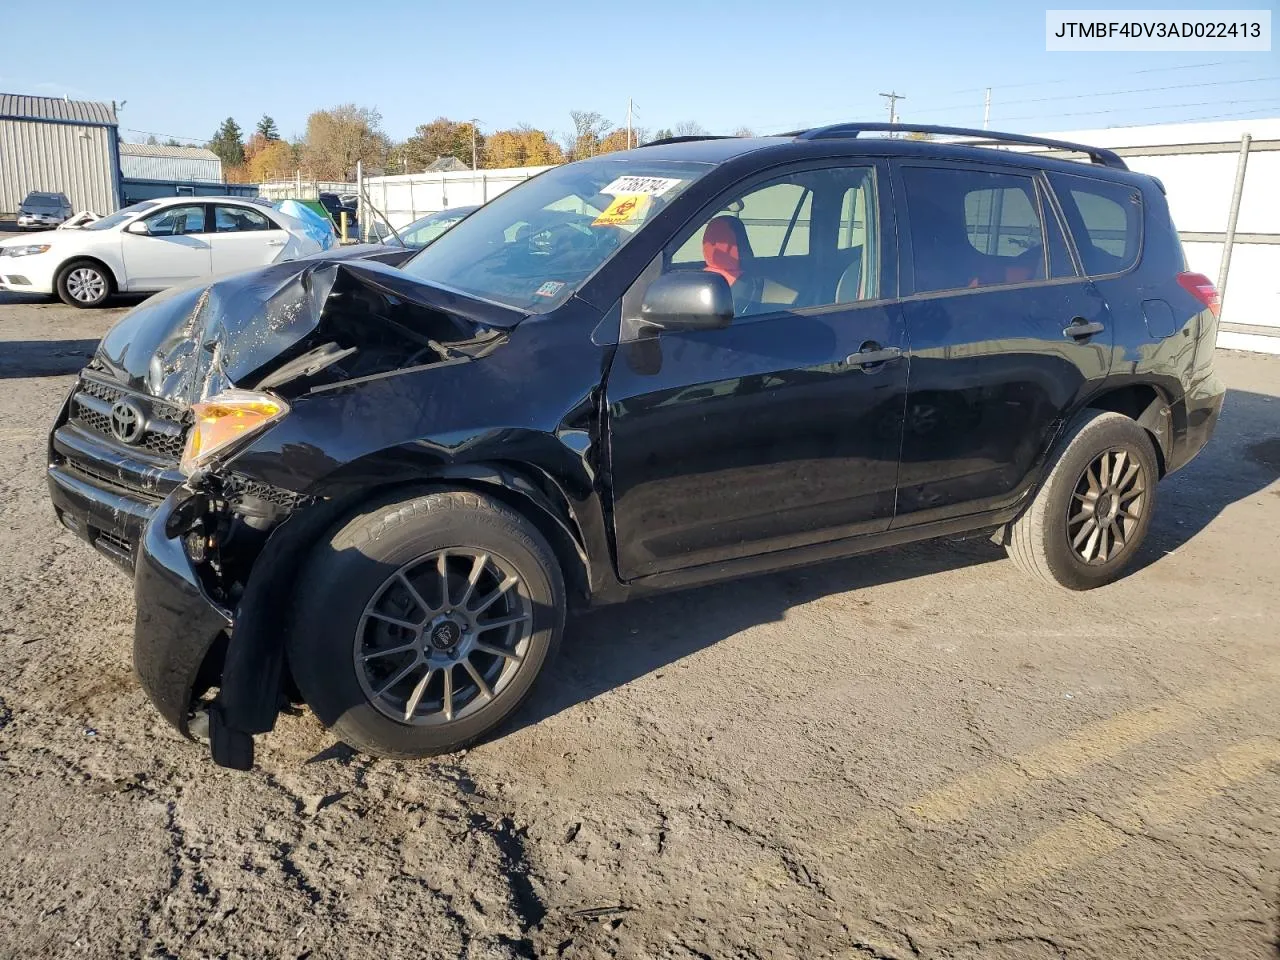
275 243
1080 328
873 355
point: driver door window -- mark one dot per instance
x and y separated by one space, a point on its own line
177 221
805 240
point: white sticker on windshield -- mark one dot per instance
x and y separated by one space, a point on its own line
650 186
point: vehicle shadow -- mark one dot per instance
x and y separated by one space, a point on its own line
44 358
608 648
1241 459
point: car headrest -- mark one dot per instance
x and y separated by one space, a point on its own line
726 248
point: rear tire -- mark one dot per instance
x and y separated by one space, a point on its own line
84 283
414 589
1094 508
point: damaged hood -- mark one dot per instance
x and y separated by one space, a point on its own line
193 341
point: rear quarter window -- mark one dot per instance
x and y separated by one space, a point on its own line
1105 219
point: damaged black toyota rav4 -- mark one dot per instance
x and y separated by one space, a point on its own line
380 489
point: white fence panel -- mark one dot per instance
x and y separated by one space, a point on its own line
406 197
298 189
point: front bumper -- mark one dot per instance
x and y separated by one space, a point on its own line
177 624
37 270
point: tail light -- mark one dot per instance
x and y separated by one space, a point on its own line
1202 288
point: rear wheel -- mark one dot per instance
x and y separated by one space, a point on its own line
423 623
83 283
1094 509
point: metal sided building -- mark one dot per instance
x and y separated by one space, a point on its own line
147 161
59 146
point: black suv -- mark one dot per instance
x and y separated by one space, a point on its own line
380 489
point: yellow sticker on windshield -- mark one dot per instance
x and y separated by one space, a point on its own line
624 209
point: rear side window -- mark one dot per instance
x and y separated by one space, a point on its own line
1105 219
239 220
971 228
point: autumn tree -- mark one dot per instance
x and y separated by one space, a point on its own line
617 140
442 137
268 159
337 138
522 146
228 143
267 128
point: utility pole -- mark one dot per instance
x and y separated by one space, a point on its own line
473 121
986 109
629 106
893 99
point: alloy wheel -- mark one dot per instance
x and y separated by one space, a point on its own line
1107 506
86 284
443 636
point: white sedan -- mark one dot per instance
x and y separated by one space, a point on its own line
151 246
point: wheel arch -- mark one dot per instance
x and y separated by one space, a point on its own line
87 258
255 673
1149 407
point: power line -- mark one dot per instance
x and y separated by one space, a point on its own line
1158 106
1076 78
1213 116
1111 93
171 136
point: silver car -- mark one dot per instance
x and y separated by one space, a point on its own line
40 211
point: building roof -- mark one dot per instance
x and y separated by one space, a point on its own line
17 106
445 165
159 150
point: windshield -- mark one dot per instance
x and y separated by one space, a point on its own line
120 216
42 201
532 247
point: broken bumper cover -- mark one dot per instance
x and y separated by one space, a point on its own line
177 624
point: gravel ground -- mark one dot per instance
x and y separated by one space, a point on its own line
914 754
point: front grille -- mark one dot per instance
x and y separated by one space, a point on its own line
95 421
165 431
101 478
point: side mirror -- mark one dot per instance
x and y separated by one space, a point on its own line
138 227
687 300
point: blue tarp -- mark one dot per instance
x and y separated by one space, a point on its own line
317 227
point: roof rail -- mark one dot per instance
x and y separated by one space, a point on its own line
702 136
1098 155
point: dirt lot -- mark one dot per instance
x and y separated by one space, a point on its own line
916 754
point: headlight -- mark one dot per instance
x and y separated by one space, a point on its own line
225 419
24 251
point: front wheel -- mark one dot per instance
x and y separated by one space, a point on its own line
423 623
83 283
1094 508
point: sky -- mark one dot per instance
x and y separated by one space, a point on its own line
766 66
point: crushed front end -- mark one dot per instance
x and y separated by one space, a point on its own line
143 463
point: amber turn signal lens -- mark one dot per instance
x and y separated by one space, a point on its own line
223 420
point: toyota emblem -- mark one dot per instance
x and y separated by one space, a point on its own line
126 422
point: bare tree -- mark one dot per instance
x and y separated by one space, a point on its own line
690 128
589 127
744 132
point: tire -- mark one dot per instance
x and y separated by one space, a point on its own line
84 283
385 563
1049 540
